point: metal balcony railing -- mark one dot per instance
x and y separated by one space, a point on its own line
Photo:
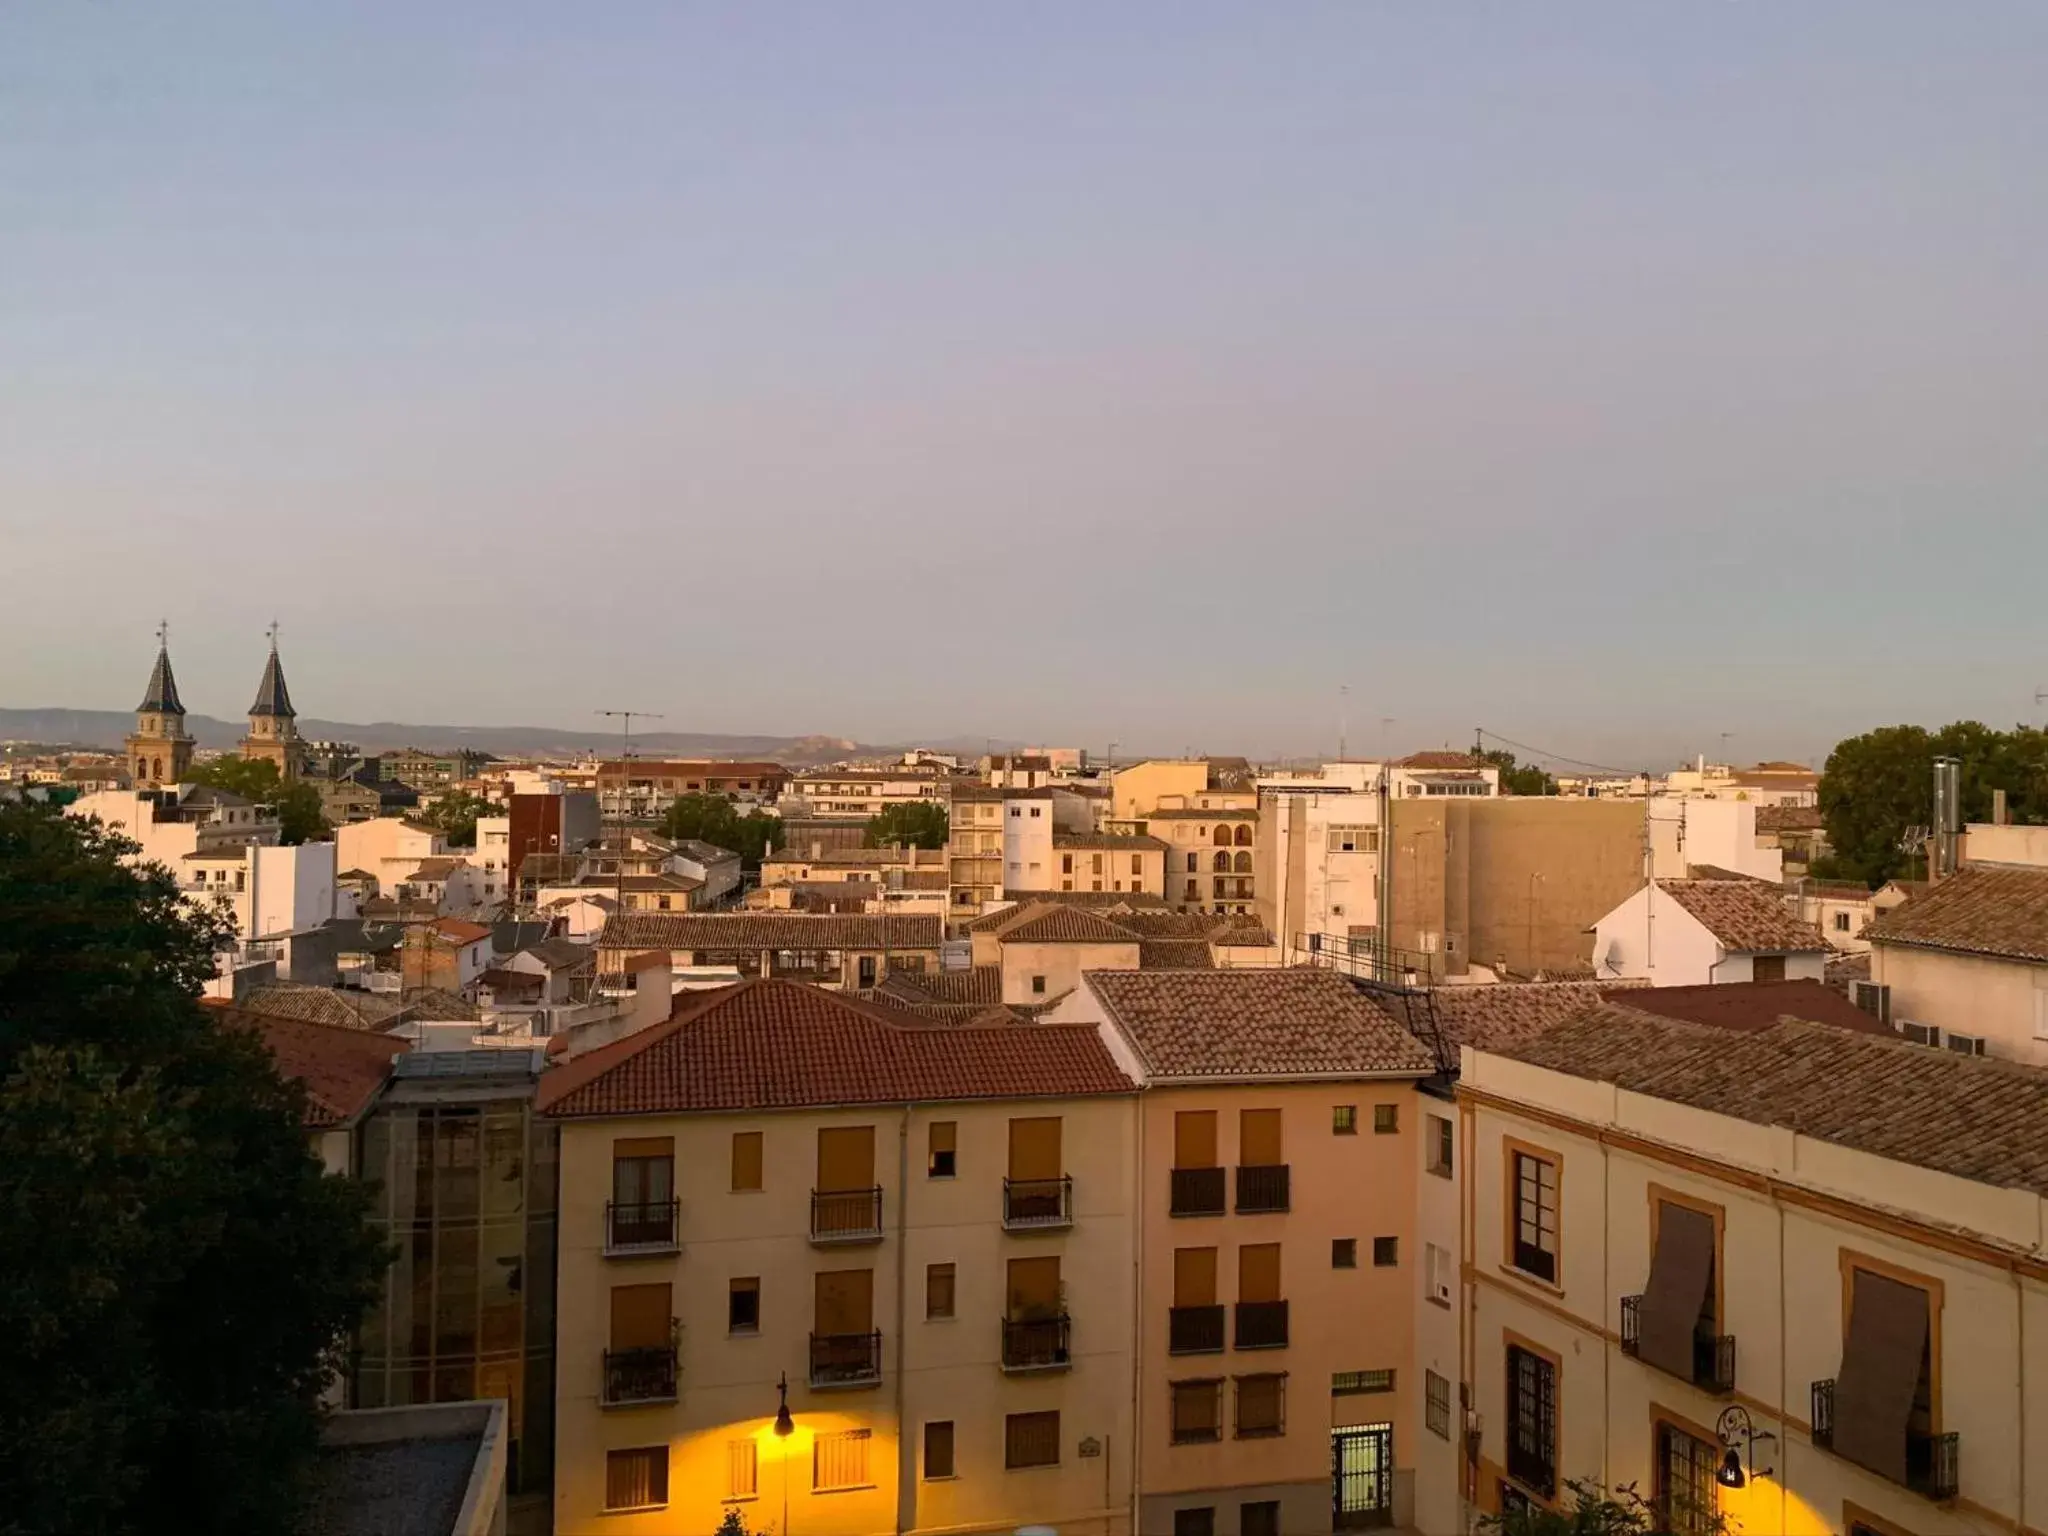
647 1226
1535 1470
1037 1343
1031 1205
642 1375
846 1359
1933 1462
1261 1325
1194 1331
1713 1355
1261 1188
847 1215
1196 1192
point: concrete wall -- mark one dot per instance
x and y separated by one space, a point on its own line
1061 966
292 887
1989 844
2006 1001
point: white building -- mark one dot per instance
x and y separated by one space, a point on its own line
1688 933
493 859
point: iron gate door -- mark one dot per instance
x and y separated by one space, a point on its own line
1362 1477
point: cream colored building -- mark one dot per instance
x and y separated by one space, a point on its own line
831 949
1107 861
1834 1233
1964 964
926 1234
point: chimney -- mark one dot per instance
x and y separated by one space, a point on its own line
1998 808
1948 772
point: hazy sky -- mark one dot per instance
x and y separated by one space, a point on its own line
1610 375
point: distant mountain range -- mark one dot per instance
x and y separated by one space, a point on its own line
108 728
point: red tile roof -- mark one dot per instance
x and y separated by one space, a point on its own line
1788 818
761 1045
1750 1004
1438 760
1745 916
1053 923
459 931
1982 909
1257 1024
768 930
341 1069
1488 1017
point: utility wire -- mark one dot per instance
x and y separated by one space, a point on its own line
1557 757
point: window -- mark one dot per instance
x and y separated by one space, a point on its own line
1532 1420
1038 986
1767 968
1137 865
938 1449
746 1160
1533 1237
1685 1500
840 1460
940 1162
1343 1253
1344 1120
1197 1411
1036 812
1386 1119
636 1479
1194 1522
1262 1406
1261 1519
1193 891
1439 1145
1437 1273
938 1290
1354 839
1031 1440
1360 1383
1436 1404
1194 863
1841 922
1066 863
742 1469
743 1305
1386 1252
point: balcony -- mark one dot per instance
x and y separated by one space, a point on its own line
1037 1343
1038 1205
1713 1355
634 1376
846 1359
846 1215
636 1228
1261 1325
1194 1331
1932 1461
1261 1189
1196 1192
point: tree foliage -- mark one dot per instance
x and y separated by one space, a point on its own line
455 814
1878 786
1589 1510
715 819
1519 780
177 1271
300 819
914 826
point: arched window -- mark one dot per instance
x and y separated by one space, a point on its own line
1222 863
1244 864
142 767
1244 837
157 770
1223 837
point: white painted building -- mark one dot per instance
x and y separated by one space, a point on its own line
493 859
1690 933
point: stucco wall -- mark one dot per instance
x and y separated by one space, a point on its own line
1999 999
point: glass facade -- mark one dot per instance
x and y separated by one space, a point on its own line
465 1182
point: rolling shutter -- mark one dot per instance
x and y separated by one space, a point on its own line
846 1158
1258 1138
1035 1148
1194 1138
1880 1373
640 1316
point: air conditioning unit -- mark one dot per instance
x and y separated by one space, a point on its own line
1874 998
1963 1045
1921 1034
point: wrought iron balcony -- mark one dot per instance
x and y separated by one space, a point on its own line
1534 1469
647 1226
847 1215
644 1375
1036 1205
1194 1331
1261 1325
1037 1343
846 1359
1261 1188
1933 1462
1196 1192
1713 1355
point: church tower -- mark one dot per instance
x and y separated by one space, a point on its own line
273 723
159 751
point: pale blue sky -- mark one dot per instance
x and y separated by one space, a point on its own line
1611 375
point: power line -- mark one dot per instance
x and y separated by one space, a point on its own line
1559 757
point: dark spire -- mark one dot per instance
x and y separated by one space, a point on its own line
162 695
271 695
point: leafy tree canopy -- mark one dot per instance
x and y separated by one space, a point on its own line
300 819
1514 780
455 814
914 826
715 819
1879 785
177 1272
1589 1510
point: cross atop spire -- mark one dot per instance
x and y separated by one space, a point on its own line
272 632
272 698
161 697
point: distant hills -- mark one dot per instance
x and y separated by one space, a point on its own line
107 728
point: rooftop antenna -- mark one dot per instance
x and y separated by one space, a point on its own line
1726 737
625 717
1343 717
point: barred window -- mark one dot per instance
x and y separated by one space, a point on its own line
1352 1383
743 1469
840 1460
1436 1403
1261 1405
1197 1410
636 1479
1535 1234
1031 1440
1686 1500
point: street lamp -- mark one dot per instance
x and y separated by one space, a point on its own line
1736 1428
785 1426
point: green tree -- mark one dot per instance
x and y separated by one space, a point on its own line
177 1271
1529 780
455 813
300 819
1589 1510
1878 786
715 819
915 826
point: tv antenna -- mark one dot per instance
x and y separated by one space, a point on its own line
625 717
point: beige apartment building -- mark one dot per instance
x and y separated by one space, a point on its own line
1281 1141
974 853
1109 861
1801 1258
839 950
1964 964
916 1240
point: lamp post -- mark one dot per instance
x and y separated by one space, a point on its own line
785 1426
1738 1466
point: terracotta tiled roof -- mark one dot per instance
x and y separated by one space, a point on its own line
785 1045
980 985
1488 1017
1788 818
1438 760
1745 916
459 930
859 857
768 930
1107 842
1237 933
1174 955
1843 969
1982 909
323 1005
1750 1004
437 1003
1117 905
1053 923
342 1069
1256 1023
1717 872
1974 1117
1189 813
